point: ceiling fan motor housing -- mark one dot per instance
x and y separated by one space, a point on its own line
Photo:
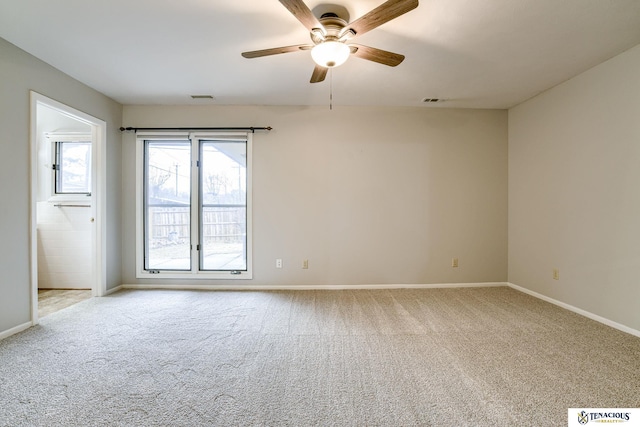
333 27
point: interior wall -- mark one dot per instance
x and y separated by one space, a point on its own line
367 195
574 204
20 73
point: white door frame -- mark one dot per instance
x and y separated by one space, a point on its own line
98 196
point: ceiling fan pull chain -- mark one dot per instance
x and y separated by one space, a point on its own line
330 88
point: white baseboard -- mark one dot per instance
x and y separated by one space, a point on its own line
15 330
309 287
580 311
113 290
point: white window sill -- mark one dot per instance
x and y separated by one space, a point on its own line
86 198
217 275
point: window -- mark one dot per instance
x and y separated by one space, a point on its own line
194 209
167 213
72 167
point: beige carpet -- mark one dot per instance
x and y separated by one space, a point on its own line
441 357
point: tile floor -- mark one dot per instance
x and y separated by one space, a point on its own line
52 300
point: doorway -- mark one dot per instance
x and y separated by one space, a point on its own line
67 200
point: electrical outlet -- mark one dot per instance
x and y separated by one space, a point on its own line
279 263
305 264
556 274
454 262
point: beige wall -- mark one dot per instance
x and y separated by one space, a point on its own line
367 195
574 198
20 73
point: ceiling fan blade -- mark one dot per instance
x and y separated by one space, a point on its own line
387 11
302 13
319 73
376 55
275 51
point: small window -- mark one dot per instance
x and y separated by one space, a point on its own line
72 168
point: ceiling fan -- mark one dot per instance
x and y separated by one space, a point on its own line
332 35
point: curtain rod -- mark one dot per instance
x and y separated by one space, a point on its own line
252 129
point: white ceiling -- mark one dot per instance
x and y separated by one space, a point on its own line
472 53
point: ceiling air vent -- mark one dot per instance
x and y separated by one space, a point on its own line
431 100
202 97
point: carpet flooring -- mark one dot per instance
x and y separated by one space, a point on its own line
433 357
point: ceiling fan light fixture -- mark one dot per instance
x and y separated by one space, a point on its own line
330 53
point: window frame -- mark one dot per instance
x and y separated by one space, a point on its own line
195 139
54 138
